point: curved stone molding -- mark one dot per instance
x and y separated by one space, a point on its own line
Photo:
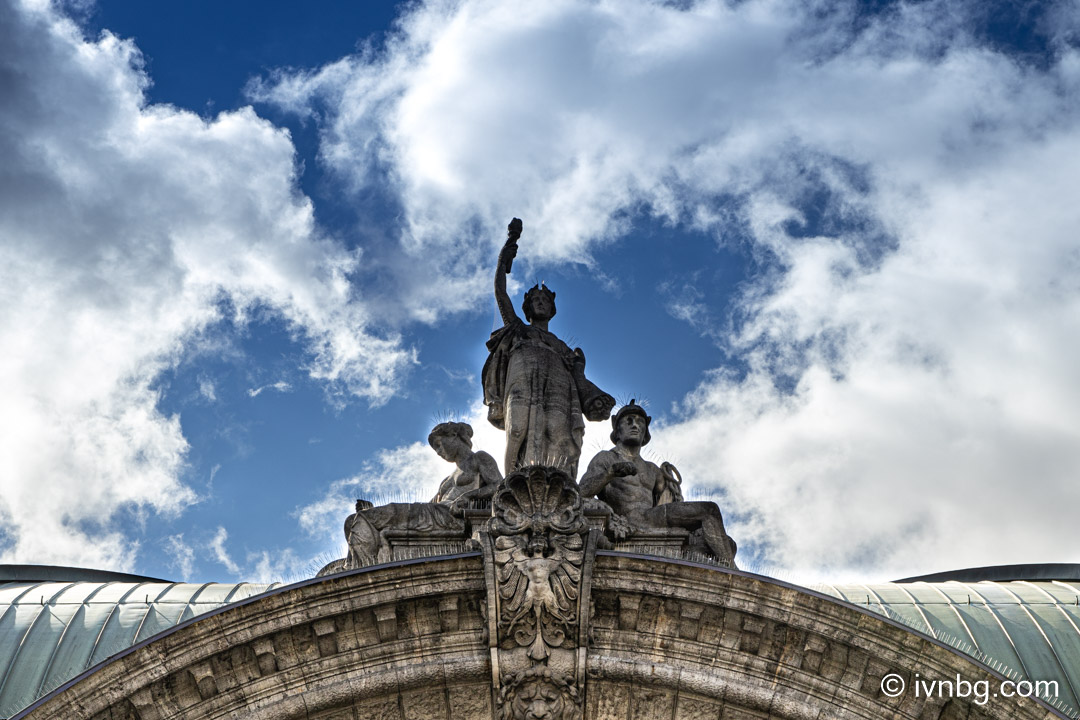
406 637
667 639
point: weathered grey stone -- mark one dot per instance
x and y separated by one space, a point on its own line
761 650
649 497
536 552
400 531
403 531
534 384
476 474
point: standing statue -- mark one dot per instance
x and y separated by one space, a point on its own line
534 385
646 495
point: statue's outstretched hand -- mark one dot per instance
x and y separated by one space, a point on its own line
600 407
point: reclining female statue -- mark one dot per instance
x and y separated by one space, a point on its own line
474 478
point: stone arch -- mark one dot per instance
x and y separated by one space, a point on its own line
408 641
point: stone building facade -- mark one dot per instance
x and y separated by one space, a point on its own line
411 640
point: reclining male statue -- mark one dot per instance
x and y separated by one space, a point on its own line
474 478
648 496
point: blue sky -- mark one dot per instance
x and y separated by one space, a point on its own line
248 250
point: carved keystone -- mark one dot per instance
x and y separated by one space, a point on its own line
750 641
326 637
145 705
875 671
813 652
535 557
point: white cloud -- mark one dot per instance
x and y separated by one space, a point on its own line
910 399
221 554
283 566
126 230
207 390
182 556
280 386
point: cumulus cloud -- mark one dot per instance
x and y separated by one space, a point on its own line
906 388
127 230
283 566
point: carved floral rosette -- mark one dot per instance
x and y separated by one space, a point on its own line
536 548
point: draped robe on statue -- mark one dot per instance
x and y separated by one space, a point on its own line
535 389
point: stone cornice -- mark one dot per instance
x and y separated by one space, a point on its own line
408 641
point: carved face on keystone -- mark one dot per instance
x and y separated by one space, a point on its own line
539 701
538 543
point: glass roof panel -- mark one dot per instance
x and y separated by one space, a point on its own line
162 616
25 673
988 634
119 631
76 647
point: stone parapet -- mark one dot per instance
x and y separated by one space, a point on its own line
665 639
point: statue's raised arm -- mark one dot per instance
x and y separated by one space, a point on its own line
506 261
534 385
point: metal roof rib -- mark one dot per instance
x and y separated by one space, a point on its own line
1072 587
104 625
870 591
60 641
20 596
74 625
1060 609
149 609
933 632
191 601
236 589
990 609
44 611
1042 633
963 623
